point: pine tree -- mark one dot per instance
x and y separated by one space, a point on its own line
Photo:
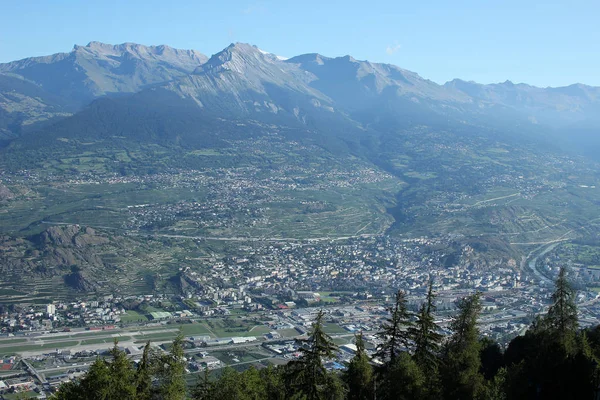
252 386
395 331
122 375
204 388
172 372
461 370
96 382
359 374
69 391
404 380
143 376
425 335
427 339
561 319
495 388
104 380
274 383
307 377
228 386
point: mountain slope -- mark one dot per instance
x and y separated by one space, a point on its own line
241 83
23 104
36 89
562 105
244 81
379 95
249 145
99 69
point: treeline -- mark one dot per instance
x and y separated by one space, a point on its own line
553 360
157 376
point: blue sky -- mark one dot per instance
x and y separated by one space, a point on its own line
545 43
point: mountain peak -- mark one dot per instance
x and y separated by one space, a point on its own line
314 58
137 50
99 69
240 47
238 57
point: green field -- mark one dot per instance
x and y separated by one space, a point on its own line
288 332
333 329
109 341
20 395
46 346
194 329
150 201
133 316
158 337
8 341
231 327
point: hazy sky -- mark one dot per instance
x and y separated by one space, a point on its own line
545 43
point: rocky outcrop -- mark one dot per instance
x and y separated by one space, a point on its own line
78 280
5 193
71 236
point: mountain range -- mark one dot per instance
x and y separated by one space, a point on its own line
247 143
41 88
244 81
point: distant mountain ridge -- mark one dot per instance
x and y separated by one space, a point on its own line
243 81
569 104
486 166
36 89
98 69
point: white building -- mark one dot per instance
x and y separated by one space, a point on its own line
51 309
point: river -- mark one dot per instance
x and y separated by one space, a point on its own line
544 281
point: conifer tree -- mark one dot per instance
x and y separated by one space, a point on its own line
495 389
307 376
204 388
96 382
461 370
228 386
68 391
274 383
395 331
427 339
104 380
561 319
402 380
359 374
172 372
252 386
122 375
143 376
426 335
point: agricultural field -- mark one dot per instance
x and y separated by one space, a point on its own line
155 208
133 316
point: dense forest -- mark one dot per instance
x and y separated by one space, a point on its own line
553 360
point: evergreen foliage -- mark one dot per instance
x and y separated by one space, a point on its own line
117 378
562 314
307 376
426 336
143 376
395 331
358 376
553 360
461 361
171 372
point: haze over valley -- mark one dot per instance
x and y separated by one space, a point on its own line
161 183
156 143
